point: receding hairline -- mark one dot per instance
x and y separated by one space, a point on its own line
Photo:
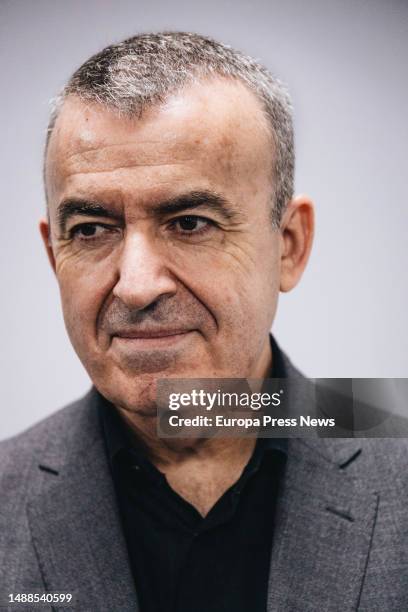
204 80
210 81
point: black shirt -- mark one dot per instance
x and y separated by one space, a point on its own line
182 562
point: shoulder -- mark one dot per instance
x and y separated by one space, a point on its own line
385 459
368 442
52 437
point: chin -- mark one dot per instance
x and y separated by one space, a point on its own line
133 393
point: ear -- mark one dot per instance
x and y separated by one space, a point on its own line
45 231
297 230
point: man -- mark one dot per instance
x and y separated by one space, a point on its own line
171 227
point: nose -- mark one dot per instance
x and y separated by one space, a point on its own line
143 275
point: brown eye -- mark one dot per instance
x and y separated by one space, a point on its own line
91 231
87 229
191 224
188 223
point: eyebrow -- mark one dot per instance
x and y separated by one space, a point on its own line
197 199
73 207
192 200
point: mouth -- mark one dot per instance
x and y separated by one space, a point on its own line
150 338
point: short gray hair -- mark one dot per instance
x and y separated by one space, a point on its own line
147 68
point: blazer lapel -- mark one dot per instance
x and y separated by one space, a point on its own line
76 529
323 529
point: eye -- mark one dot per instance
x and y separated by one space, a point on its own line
89 231
191 224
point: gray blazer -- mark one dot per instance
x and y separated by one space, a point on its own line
341 530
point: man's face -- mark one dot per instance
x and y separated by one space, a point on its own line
161 239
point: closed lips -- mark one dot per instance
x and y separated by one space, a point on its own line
163 333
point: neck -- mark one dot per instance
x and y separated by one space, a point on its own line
199 469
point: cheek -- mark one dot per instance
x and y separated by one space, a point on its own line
83 290
238 284
249 309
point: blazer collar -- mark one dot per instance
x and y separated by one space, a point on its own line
323 529
324 521
74 521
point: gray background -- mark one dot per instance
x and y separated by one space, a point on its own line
346 65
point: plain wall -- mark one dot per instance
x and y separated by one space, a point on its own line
345 63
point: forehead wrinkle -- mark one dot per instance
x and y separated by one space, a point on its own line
101 160
225 161
106 145
124 167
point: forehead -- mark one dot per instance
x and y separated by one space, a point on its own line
213 132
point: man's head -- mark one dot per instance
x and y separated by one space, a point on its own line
172 228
